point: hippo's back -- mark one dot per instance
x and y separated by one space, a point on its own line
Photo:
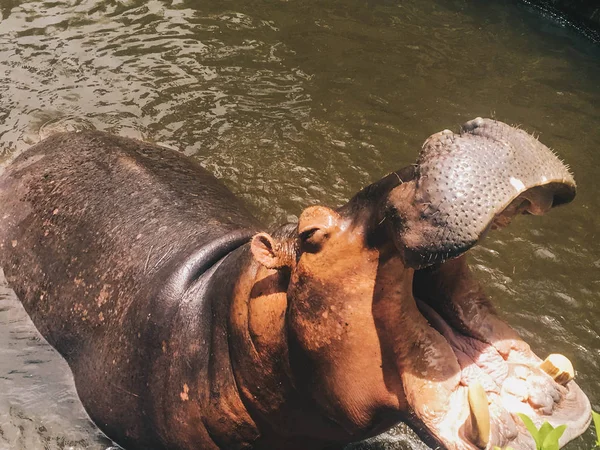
83 213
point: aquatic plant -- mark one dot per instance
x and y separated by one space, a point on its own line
596 417
546 438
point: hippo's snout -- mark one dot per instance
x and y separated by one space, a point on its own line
469 182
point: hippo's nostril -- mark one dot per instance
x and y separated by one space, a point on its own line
472 124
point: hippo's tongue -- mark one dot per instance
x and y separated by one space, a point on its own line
469 182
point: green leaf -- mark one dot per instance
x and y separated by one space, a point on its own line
532 429
544 430
551 441
596 417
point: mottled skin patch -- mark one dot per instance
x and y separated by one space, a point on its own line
184 394
187 326
103 296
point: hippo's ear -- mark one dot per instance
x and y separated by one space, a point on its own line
271 253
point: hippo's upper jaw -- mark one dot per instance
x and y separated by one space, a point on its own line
469 182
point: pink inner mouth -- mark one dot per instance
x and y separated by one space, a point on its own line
508 372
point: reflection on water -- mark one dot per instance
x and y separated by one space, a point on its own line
294 103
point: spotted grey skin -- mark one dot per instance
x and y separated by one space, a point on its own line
465 181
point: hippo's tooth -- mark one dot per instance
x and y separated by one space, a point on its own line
480 415
558 367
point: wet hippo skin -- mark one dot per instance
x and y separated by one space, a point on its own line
187 325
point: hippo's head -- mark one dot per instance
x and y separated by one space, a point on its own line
387 324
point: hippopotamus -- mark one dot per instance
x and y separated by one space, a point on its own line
189 325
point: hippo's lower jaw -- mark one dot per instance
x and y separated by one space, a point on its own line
499 377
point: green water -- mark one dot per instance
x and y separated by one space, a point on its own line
296 103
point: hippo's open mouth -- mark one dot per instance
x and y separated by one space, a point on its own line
464 185
503 377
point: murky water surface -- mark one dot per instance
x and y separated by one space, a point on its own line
294 103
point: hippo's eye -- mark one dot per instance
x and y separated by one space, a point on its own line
312 240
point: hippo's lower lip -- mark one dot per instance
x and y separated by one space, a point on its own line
510 375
